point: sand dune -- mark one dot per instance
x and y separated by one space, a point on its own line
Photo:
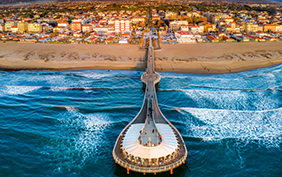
190 58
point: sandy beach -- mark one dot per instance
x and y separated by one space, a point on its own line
190 58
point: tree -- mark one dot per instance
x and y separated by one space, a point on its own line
159 38
147 42
154 43
235 18
166 28
142 39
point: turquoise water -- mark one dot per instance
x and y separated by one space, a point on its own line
66 123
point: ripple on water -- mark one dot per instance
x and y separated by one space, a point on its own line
221 118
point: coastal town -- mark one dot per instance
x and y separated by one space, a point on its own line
103 22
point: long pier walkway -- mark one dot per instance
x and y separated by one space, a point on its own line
150 143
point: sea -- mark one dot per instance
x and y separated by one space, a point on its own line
65 123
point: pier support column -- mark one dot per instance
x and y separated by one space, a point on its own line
155 173
144 173
171 171
127 170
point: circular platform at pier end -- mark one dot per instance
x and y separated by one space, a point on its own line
129 154
154 77
168 146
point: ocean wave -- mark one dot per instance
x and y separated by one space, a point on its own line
18 90
233 99
80 138
94 75
15 90
85 88
227 110
218 89
262 127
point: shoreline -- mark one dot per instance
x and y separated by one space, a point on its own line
204 58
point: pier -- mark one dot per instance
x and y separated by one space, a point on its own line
150 143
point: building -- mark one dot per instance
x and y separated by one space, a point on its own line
22 26
184 37
34 27
270 27
58 29
87 28
156 18
228 20
63 24
14 29
77 34
8 25
76 26
46 27
170 15
214 17
2 27
138 19
211 38
251 27
184 28
176 24
252 38
227 39
122 25
196 28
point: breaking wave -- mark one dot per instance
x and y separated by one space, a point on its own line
17 90
81 138
264 127
234 100
95 75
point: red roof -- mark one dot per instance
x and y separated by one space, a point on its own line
45 37
271 25
212 38
250 36
227 38
110 39
92 39
183 33
60 27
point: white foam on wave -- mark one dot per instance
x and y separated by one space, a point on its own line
232 99
59 88
276 71
54 79
175 76
90 138
264 127
17 90
61 84
95 75
81 138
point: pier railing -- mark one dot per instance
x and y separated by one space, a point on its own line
157 169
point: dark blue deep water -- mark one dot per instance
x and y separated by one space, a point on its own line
66 123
